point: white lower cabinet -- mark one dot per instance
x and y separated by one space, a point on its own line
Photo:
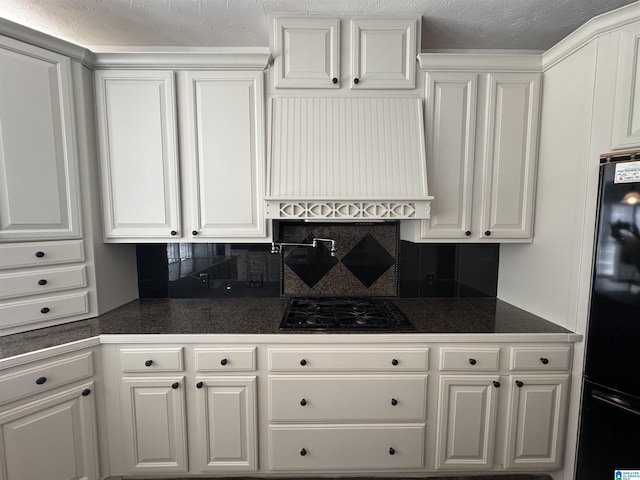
300 407
48 419
166 406
354 409
154 424
226 432
466 421
536 421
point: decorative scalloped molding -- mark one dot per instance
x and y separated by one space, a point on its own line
348 210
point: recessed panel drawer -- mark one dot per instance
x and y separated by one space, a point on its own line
231 359
375 398
20 382
348 359
151 359
22 255
541 358
42 309
346 447
42 281
485 359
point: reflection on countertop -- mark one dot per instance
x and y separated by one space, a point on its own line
257 316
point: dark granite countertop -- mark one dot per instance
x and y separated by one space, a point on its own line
263 315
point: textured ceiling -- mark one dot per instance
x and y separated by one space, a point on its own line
446 24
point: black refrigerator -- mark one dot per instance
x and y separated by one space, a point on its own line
609 432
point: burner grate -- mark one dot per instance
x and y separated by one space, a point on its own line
344 313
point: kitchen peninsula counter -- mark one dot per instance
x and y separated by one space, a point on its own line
253 316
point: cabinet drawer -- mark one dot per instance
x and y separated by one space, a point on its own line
348 398
348 359
147 359
23 381
346 447
485 359
225 359
42 281
540 358
40 253
42 309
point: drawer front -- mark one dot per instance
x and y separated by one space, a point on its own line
148 359
540 358
34 254
346 447
42 309
42 281
481 359
348 398
348 359
20 382
232 359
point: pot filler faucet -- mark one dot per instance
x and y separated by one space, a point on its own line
276 247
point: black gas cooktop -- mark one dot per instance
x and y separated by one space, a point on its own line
344 314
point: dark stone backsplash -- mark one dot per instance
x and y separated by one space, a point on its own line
217 270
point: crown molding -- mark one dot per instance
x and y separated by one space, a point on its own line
597 26
39 39
230 58
481 61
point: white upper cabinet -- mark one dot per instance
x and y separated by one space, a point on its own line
138 150
306 52
309 51
181 154
223 153
450 122
626 122
383 53
511 146
481 129
39 192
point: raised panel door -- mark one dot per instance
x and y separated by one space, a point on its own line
513 104
137 133
466 422
306 52
225 437
223 145
39 192
154 424
450 122
626 121
53 437
383 53
537 421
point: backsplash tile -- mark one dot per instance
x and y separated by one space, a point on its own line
250 270
365 263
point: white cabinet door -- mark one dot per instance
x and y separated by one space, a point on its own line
626 121
223 150
450 123
537 421
53 437
38 162
226 432
383 53
466 422
513 103
138 153
154 424
306 52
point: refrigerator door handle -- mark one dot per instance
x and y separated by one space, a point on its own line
615 401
